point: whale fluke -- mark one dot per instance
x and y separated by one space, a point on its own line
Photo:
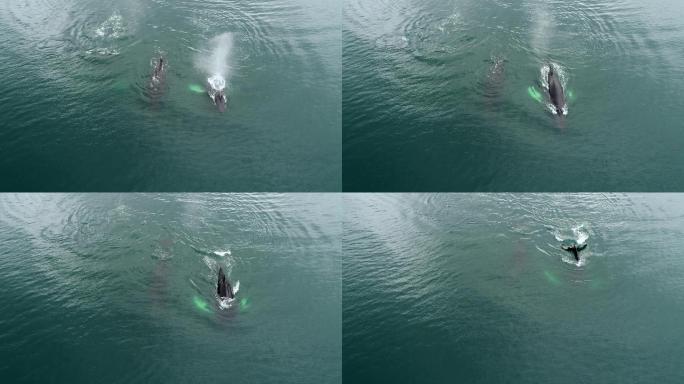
575 249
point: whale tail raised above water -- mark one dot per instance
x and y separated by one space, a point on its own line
575 249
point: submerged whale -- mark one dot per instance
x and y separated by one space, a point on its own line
493 84
155 87
556 92
223 287
497 74
159 69
158 73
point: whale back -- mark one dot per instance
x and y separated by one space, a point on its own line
221 285
556 90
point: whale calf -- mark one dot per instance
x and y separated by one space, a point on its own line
223 287
556 91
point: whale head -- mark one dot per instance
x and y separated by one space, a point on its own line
220 101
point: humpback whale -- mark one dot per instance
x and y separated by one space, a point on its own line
574 249
155 87
158 71
220 100
493 84
159 67
497 73
216 89
223 287
556 91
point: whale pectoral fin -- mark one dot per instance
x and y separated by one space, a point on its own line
534 94
120 85
196 88
571 95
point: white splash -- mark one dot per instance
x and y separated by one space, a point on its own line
228 302
571 260
580 235
450 23
112 28
217 82
103 52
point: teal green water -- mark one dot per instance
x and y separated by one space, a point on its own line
435 95
121 288
79 114
475 289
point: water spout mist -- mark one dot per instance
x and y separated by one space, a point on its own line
217 64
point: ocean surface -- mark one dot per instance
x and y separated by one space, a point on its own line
121 289
476 289
448 95
80 111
